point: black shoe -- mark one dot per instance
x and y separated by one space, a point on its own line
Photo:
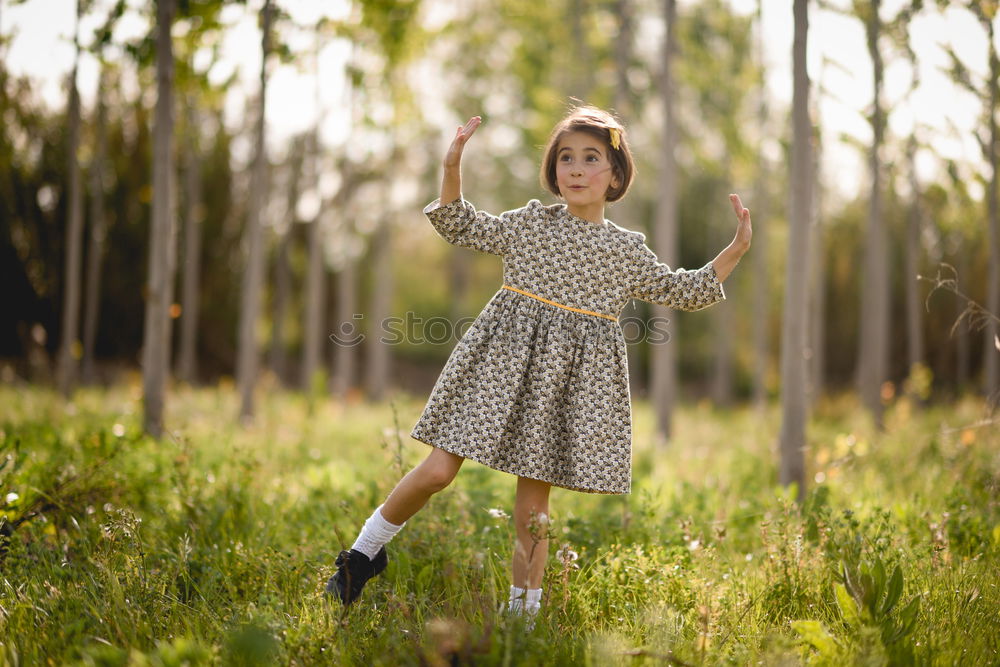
354 569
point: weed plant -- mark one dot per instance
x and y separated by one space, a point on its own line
212 545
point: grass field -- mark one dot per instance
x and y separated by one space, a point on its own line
212 545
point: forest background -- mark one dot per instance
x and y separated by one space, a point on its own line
388 81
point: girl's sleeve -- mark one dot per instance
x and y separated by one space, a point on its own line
681 289
458 222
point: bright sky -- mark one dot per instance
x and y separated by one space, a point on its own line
838 59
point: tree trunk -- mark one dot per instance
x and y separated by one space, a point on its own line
69 352
315 325
991 353
626 210
793 340
247 354
663 357
155 345
874 330
378 367
623 57
98 232
817 287
283 268
914 318
963 355
187 365
759 256
346 333
582 77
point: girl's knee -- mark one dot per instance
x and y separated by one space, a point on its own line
438 472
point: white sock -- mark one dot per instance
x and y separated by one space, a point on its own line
375 534
521 599
533 600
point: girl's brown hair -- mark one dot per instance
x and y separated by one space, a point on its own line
602 125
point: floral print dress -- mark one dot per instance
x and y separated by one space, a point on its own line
538 384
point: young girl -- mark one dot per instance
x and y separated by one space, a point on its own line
538 385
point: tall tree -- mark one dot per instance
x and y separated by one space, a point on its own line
69 344
816 326
282 261
663 358
187 355
793 330
345 350
986 12
98 232
315 287
247 353
988 93
159 291
873 352
914 307
759 257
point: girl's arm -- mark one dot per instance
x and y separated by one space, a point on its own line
451 182
726 261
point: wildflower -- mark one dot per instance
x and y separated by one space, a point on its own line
567 556
12 498
497 513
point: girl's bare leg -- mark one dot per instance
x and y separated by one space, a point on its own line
530 552
413 491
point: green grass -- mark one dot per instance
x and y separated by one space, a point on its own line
212 545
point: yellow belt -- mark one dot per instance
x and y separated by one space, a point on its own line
577 310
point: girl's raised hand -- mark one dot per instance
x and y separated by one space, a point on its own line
743 229
453 158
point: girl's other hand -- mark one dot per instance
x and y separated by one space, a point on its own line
453 158
743 228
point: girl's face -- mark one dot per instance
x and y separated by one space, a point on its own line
583 170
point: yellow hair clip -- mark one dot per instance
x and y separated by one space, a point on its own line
616 137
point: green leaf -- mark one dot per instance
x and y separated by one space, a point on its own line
814 634
908 616
848 607
878 572
868 599
894 591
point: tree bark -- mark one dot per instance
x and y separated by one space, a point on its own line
914 316
345 345
874 330
817 288
793 360
69 352
663 356
759 256
248 354
155 346
626 209
315 325
283 268
991 371
187 365
98 233
378 367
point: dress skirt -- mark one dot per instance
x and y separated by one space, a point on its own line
539 391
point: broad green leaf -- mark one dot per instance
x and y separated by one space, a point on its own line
878 574
894 591
848 607
813 633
